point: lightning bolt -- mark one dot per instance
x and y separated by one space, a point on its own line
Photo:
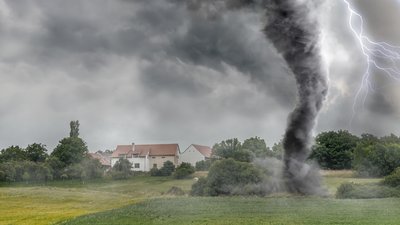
379 56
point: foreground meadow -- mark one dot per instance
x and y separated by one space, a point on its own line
141 200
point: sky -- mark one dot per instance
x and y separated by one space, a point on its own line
173 71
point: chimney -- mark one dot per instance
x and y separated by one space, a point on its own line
133 146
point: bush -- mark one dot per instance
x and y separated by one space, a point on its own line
184 171
393 179
203 165
365 191
229 177
376 159
121 169
200 187
167 169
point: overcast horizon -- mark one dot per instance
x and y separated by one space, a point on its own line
161 72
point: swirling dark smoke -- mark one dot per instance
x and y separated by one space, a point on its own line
294 34
294 31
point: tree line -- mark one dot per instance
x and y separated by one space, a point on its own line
69 160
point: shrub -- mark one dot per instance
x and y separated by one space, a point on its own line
203 165
167 169
365 191
393 179
184 171
121 169
376 159
200 187
229 177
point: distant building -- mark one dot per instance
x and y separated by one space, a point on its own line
145 157
195 153
104 159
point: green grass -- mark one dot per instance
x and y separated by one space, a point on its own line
60 200
236 210
32 204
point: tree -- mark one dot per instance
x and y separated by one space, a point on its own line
74 125
257 146
334 150
203 165
278 150
70 150
184 170
121 169
36 152
12 153
167 169
231 148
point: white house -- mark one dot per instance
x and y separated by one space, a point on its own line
195 153
145 157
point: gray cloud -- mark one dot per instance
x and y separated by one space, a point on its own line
160 71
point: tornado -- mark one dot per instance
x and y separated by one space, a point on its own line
295 34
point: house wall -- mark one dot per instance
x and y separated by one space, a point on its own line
143 163
159 160
191 155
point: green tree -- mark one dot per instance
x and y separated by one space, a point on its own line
70 150
12 153
203 165
334 149
121 169
231 148
278 150
167 169
36 152
74 125
184 170
256 146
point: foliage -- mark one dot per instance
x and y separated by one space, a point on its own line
231 148
334 149
86 169
74 132
24 171
12 153
229 177
203 165
278 150
166 170
36 152
184 170
363 191
121 169
257 147
70 150
393 179
376 159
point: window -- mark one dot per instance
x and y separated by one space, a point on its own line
154 165
153 157
137 165
163 157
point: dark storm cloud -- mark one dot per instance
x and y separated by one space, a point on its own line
146 71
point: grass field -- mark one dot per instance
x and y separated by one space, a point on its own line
59 201
235 210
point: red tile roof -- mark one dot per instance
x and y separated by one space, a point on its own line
204 150
143 150
105 161
122 150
